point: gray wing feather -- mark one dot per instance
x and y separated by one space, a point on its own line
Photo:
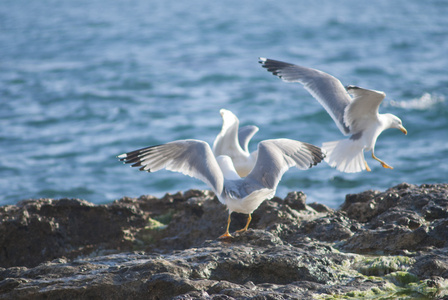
190 157
363 109
275 157
325 88
227 140
245 134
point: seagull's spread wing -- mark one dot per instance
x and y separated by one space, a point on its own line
275 157
190 157
327 89
363 110
245 134
226 142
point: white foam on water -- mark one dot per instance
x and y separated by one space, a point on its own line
426 101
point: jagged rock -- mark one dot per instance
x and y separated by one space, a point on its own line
330 228
431 265
250 264
150 248
405 217
34 231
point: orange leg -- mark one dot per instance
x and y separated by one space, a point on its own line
382 162
226 234
247 224
367 166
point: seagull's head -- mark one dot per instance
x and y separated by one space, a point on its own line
228 118
395 122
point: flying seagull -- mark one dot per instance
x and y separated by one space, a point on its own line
353 109
196 159
234 142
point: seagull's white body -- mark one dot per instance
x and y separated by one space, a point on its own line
234 142
195 158
353 109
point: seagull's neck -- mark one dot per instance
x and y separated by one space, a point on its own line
227 168
386 121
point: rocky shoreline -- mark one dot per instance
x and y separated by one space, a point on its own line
378 245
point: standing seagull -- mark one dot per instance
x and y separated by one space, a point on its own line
234 142
353 109
195 158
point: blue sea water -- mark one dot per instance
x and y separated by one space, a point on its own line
83 81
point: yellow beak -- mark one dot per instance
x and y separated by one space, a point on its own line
403 129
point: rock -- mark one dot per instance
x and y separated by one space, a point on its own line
39 230
431 265
333 227
237 268
403 218
378 245
295 200
319 207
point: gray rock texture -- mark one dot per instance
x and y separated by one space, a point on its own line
378 245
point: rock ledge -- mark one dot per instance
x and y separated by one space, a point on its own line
378 244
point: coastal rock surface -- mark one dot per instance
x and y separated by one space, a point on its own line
378 245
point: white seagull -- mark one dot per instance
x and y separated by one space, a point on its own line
195 158
234 142
353 109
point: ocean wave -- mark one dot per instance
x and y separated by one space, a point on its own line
426 101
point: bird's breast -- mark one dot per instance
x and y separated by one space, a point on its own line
249 203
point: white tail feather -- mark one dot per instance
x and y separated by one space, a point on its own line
345 155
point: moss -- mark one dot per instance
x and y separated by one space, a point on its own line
147 235
383 295
154 224
374 293
401 278
165 218
430 288
382 265
396 281
414 290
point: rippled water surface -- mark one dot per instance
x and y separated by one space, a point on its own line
84 81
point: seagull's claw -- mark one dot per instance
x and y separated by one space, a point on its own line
225 236
386 166
381 162
367 167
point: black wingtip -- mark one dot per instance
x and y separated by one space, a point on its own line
143 169
318 154
274 66
137 164
263 62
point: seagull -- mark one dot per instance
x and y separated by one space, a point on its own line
353 109
234 143
196 159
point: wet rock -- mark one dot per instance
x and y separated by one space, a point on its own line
431 265
379 244
319 207
38 230
329 228
236 268
403 218
296 200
